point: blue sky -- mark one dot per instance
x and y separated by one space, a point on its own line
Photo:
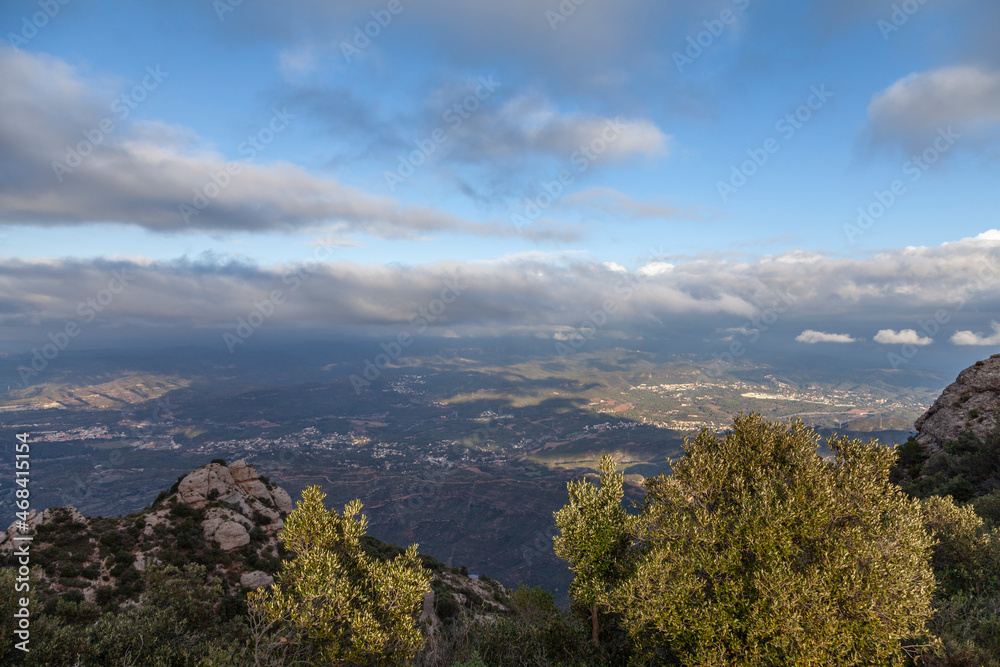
652 113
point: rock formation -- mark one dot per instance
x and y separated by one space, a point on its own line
971 403
216 508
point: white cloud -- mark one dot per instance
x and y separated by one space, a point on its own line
810 336
902 337
141 174
915 107
971 338
530 124
655 268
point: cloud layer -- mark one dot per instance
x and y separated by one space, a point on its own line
533 293
66 158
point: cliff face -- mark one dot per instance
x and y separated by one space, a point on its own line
970 402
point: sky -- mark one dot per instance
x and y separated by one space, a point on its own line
823 173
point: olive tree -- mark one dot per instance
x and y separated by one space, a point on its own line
758 551
348 607
595 534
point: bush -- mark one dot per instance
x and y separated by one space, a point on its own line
163 495
105 596
756 550
182 511
958 488
967 567
330 592
988 507
445 605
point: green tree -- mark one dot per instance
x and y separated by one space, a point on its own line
349 607
595 533
757 551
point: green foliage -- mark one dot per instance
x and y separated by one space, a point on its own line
595 535
175 624
350 607
988 507
757 551
537 633
969 467
967 567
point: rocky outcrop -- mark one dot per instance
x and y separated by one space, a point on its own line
238 485
217 506
971 403
36 519
255 579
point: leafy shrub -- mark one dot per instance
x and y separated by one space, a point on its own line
445 605
757 550
181 511
988 507
105 596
